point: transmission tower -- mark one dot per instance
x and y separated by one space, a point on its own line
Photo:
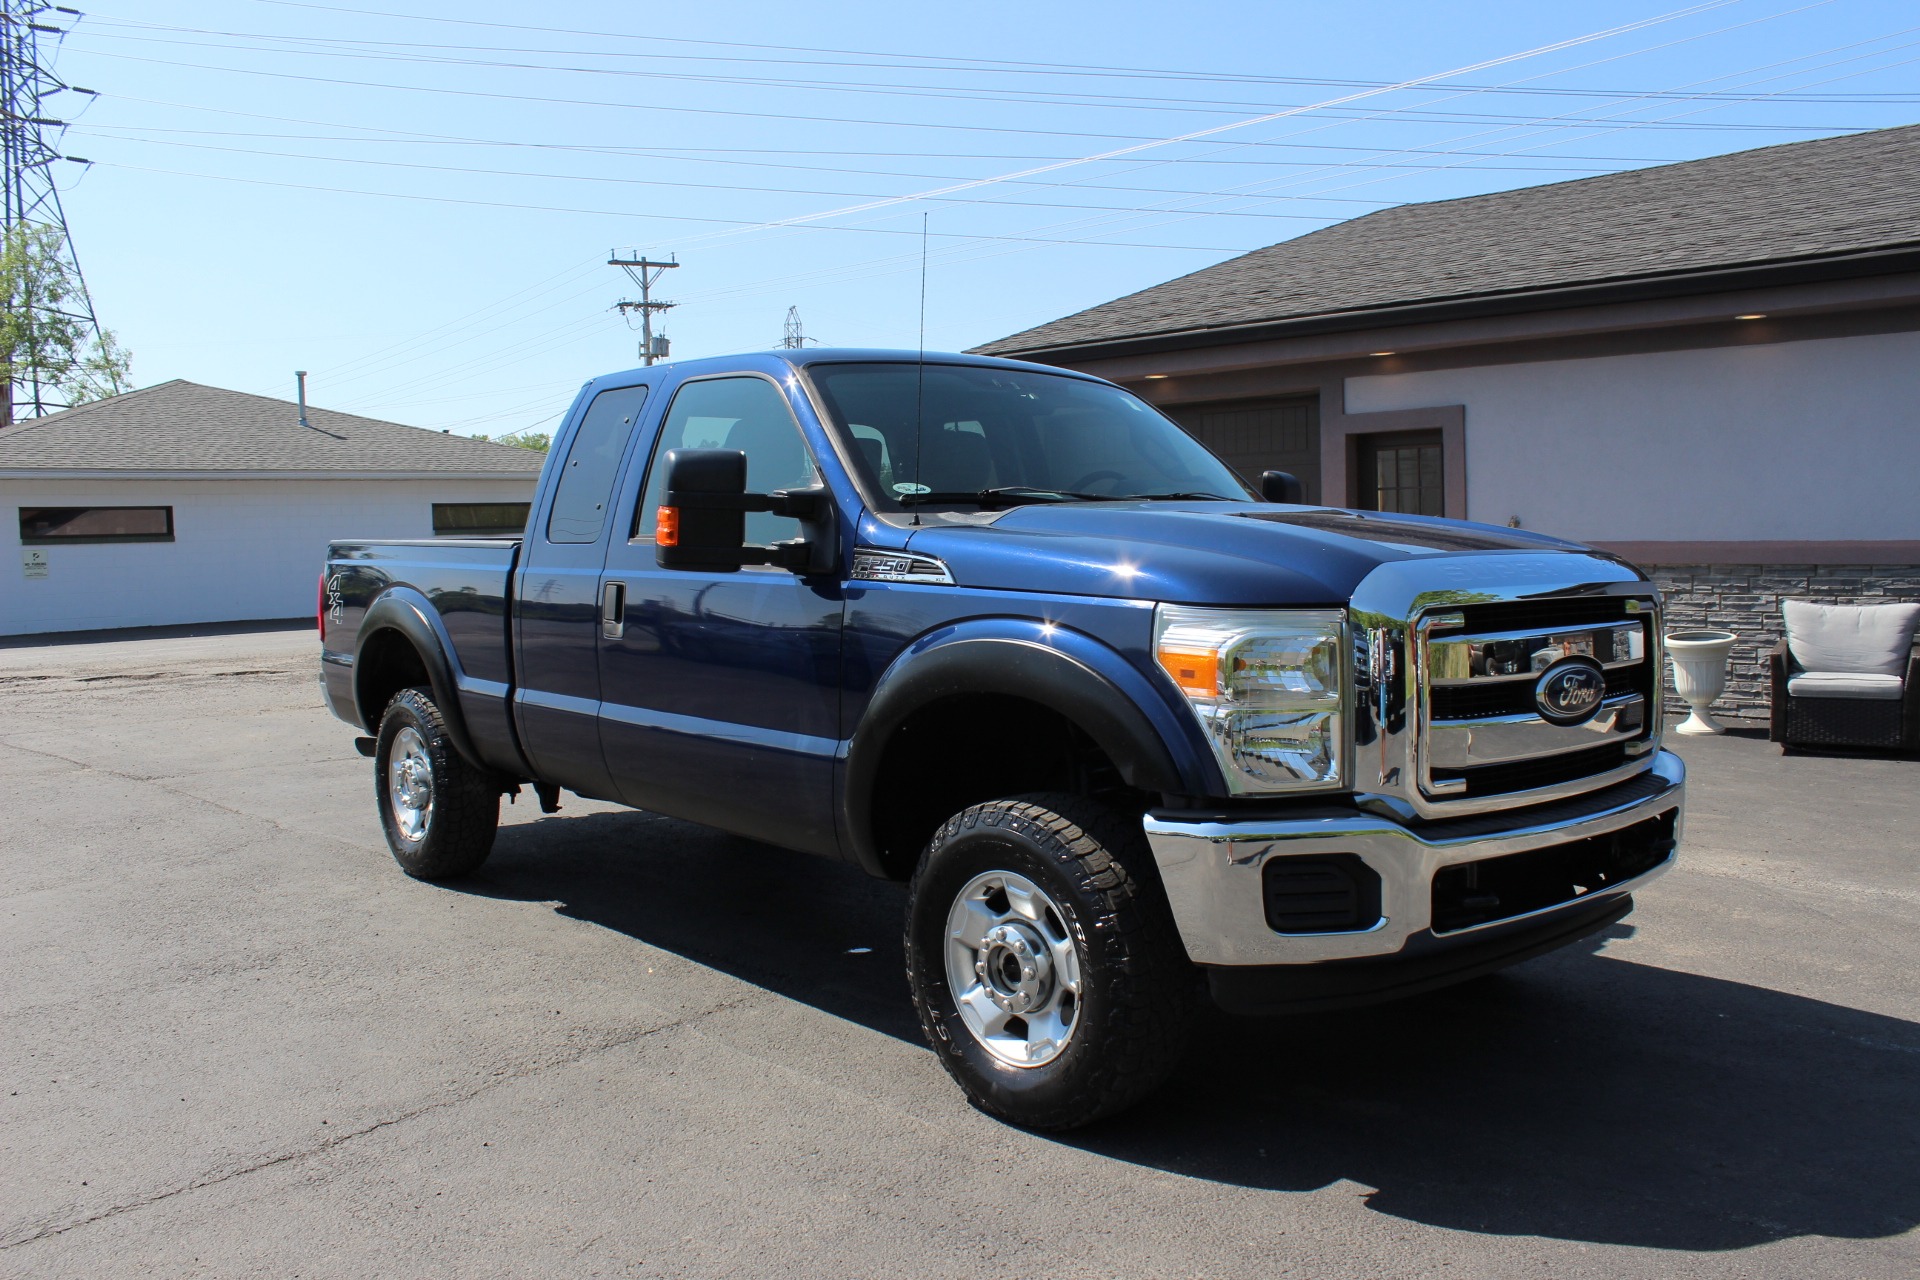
646 274
31 128
794 338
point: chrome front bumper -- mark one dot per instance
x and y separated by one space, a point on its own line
1212 869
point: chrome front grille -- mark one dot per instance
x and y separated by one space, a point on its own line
1510 697
1487 722
1501 680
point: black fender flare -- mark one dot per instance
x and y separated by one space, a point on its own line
1104 708
410 613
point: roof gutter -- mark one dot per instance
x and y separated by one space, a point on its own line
1885 261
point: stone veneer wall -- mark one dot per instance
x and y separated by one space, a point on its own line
1745 599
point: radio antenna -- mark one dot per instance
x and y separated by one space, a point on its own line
920 369
923 286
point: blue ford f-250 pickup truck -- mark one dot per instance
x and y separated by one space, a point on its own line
1135 734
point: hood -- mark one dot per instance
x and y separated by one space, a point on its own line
1203 552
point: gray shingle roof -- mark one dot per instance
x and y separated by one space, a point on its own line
183 426
1799 200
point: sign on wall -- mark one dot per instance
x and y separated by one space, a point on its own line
33 562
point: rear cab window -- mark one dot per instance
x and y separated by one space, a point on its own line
585 485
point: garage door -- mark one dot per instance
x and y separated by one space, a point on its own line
1260 435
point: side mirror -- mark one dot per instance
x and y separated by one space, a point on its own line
703 522
1282 486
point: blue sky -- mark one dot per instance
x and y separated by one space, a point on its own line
416 202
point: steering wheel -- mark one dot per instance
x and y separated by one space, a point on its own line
1094 477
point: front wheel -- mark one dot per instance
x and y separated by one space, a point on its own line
1045 966
438 811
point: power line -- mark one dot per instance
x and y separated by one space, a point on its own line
1215 130
313 47
1330 109
746 223
1569 119
762 190
382 360
901 59
655 150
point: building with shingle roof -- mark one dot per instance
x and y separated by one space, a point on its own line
182 428
1710 367
1827 209
182 503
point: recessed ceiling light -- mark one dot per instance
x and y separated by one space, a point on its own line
1379 353
1156 375
1752 315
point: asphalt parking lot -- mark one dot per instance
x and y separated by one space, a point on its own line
237 1041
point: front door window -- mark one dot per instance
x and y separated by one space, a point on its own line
748 414
1402 473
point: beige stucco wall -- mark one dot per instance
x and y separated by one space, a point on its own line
1794 441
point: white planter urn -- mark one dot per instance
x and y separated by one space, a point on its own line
1700 673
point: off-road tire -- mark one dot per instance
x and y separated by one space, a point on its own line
458 834
1138 994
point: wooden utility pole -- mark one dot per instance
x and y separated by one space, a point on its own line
644 273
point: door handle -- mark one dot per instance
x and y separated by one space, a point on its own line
613 610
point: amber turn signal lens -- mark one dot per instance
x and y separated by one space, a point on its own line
666 531
1195 673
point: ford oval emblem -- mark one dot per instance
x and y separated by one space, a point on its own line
1570 691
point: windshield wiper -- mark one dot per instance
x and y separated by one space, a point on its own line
1185 497
1007 493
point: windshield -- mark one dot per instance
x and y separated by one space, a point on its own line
993 437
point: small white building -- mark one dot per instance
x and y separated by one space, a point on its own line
188 504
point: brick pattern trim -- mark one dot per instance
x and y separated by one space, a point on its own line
1745 599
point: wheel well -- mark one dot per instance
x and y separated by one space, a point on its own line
388 663
958 751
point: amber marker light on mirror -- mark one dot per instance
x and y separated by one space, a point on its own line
1155 377
1752 315
666 530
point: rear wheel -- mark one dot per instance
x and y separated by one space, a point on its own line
438 811
1045 965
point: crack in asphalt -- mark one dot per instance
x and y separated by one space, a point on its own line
160 781
499 1078
1727 865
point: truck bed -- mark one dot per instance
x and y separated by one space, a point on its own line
460 587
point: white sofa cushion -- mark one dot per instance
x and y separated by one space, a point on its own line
1845 684
1872 639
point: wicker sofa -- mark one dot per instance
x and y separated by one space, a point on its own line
1847 676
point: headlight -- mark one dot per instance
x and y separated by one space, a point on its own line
1267 687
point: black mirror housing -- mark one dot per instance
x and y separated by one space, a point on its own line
698 527
703 523
1282 486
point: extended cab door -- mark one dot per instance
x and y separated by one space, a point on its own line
557 704
720 691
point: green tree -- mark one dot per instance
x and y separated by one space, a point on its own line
45 329
538 441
